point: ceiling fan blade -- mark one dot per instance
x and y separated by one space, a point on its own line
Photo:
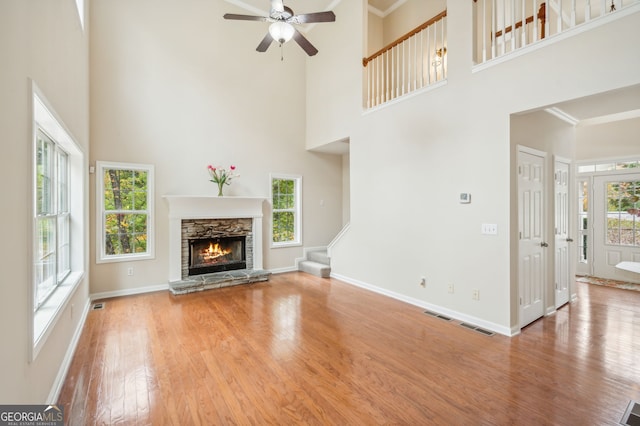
309 18
304 43
244 17
277 5
265 43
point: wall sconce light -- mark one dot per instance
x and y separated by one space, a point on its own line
437 59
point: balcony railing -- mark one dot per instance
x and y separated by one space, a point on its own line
503 26
414 61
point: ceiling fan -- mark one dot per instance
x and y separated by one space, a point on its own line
281 29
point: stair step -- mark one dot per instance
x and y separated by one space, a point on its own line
319 256
315 268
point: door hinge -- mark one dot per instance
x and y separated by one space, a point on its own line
520 235
521 301
519 170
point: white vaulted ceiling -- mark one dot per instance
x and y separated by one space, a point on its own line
382 7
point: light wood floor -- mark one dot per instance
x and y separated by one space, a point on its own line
306 350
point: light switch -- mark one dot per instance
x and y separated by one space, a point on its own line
490 229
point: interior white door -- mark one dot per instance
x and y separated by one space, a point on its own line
562 237
616 225
531 246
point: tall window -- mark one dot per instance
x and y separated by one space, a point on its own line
286 210
51 217
125 211
583 221
58 211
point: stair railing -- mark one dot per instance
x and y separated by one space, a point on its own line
413 61
503 26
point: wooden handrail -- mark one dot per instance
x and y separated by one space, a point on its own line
541 16
408 35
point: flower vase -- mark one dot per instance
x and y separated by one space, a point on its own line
220 185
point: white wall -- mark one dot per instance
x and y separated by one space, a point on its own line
410 15
410 161
617 139
42 41
175 85
334 76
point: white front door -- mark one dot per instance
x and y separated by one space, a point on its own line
531 246
562 238
616 225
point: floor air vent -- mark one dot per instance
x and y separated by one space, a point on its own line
97 306
437 315
477 329
632 415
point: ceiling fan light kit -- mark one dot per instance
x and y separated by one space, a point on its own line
282 27
281 32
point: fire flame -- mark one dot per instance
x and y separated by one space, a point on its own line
214 251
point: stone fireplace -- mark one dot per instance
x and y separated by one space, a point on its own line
216 245
214 242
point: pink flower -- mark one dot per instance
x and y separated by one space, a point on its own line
232 167
210 167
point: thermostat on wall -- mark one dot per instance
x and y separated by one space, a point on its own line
465 198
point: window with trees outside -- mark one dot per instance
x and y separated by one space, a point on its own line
58 170
52 261
125 211
623 213
286 210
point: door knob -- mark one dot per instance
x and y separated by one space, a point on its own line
569 240
544 245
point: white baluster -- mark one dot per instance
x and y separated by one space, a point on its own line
369 85
421 80
504 27
523 28
573 13
603 7
484 31
493 28
587 11
534 9
559 20
547 24
443 44
513 25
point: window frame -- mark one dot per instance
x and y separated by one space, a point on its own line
44 315
297 210
101 256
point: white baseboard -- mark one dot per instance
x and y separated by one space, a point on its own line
128 292
54 393
496 328
284 270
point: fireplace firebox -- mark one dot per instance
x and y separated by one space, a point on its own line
217 254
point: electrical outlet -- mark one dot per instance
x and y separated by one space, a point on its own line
130 271
475 295
450 288
423 282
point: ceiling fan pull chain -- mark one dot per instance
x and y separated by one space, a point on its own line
281 53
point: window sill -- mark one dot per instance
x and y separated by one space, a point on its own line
47 315
126 258
285 245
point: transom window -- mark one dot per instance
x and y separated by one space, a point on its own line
286 210
125 208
